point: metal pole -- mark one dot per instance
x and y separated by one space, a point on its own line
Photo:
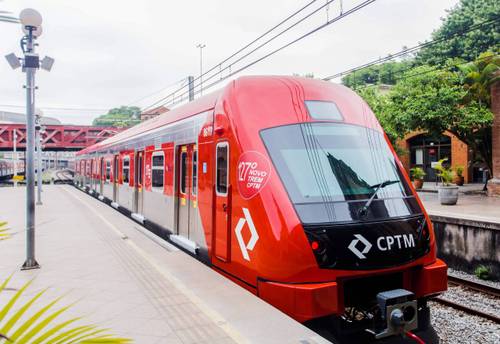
39 162
201 46
30 262
15 152
191 87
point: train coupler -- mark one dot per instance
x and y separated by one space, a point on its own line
398 310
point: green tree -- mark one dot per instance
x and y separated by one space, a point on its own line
480 75
468 46
386 73
435 101
123 116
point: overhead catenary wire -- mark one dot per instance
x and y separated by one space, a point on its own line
341 16
181 81
435 69
413 49
230 66
55 108
219 65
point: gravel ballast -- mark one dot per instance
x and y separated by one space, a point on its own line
455 326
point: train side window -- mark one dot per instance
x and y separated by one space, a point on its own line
157 170
108 171
194 186
183 173
222 168
126 170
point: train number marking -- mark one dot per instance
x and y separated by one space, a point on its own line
366 249
254 235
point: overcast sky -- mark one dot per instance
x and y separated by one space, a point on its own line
113 52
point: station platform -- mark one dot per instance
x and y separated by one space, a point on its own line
124 278
474 207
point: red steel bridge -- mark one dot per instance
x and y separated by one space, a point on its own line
56 137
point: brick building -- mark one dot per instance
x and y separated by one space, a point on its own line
153 113
494 183
421 150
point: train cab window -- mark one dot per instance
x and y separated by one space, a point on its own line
194 187
126 170
222 168
325 166
319 109
108 171
157 170
183 174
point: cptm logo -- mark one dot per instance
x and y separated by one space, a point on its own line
254 235
384 243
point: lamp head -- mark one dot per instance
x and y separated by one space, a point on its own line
30 17
47 63
13 61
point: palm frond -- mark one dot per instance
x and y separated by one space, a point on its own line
41 327
4 231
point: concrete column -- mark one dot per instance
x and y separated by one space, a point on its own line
494 183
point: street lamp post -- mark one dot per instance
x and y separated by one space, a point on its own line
14 137
39 167
201 46
31 22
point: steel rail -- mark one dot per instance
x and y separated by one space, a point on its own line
473 285
468 310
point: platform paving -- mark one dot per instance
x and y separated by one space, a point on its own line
470 207
124 279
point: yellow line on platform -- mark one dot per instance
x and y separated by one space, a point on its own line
215 316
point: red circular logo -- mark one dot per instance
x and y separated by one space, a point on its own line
253 173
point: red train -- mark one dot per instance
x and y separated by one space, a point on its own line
289 187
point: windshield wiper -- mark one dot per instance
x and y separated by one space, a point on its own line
364 209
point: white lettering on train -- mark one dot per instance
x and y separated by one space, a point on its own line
386 243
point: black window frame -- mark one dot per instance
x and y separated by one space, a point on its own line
161 168
218 190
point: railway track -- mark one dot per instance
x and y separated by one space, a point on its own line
477 286
474 286
63 177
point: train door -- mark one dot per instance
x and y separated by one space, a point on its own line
102 171
222 202
92 174
138 195
116 170
184 186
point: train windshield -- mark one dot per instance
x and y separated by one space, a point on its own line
331 162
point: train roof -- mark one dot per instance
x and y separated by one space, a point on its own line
310 87
199 105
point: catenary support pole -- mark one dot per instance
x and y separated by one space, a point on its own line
191 87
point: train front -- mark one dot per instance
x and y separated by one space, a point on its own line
346 236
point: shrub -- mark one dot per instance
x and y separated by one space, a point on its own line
445 173
417 173
483 272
